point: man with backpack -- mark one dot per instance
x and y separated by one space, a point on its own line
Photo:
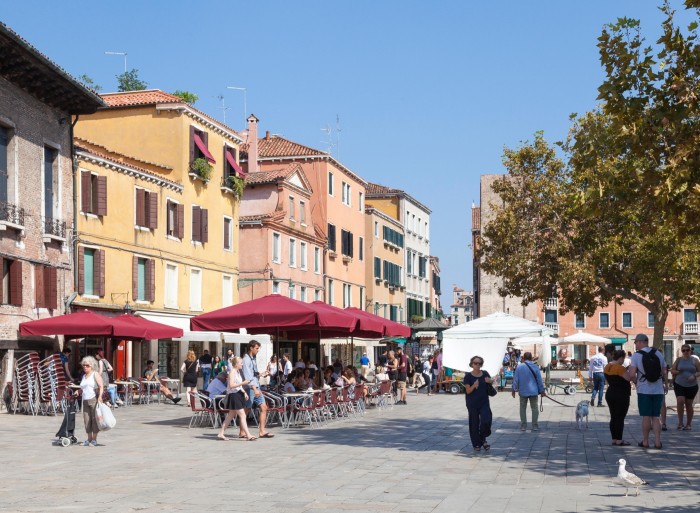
649 371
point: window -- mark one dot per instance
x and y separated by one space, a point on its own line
292 253
175 220
231 167
11 282
422 266
393 313
650 320
604 320
302 212
143 279
317 260
690 315
292 291
361 254
376 229
51 189
331 237
551 316
392 237
275 287
345 194
4 163
228 234
45 286
360 202
580 322
626 319
392 274
362 298
377 267
317 295
302 294
226 290
346 243
291 207
171 286
302 255
146 209
426 230
331 290
347 295
93 193
199 141
195 289
419 228
409 262
330 183
408 220
91 272
200 224
276 247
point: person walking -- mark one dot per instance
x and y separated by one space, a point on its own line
478 405
364 364
92 389
596 375
255 395
103 369
527 382
236 399
649 370
617 395
425 372
401 374
273 368
205 363
189 370
685 371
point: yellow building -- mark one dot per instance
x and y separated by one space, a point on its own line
157 218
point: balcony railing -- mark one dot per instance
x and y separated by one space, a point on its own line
11 214
690 328
55 228
554 326
551 304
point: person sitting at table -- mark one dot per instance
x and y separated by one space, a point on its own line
301 364
328 376
217 386
312 368
289 386
306 379
151 375
348 378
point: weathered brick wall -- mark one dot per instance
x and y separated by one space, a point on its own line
35 125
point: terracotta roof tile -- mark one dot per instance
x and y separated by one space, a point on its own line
270 176
375 188
275 146
134 98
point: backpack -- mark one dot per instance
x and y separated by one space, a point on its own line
651 364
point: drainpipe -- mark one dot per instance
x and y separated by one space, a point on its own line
74 161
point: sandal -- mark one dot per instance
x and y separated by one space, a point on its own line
223 438
486 446
687 428
252 439
641 444
663 427
680 427
267 435
477 449
659 447
623 443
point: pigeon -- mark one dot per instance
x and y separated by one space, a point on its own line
628 479
582 413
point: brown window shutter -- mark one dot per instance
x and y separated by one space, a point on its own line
180 221
81 270
192 131
151 279
135 278
51 284
227 235
140 207
101 196
16 283
100 272
205 225
39 286
85 191
205 138
196 224
153 210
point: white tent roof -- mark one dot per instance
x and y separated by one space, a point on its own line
487 337
535 340
585 338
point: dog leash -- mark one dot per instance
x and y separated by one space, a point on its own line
554 400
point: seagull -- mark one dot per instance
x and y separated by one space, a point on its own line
628 479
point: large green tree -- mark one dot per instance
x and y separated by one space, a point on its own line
617 217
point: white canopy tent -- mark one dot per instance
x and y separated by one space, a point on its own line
487 337
545 356
585 338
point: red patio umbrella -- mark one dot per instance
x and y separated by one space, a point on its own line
133 326
368 326
391 328
78 324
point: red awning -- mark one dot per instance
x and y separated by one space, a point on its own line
229 158
79 324
132 326
367 327
203 148
391 328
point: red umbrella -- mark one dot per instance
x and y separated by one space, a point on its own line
77 324
132 326
368 326
276 312
391 328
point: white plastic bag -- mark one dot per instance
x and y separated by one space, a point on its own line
105 418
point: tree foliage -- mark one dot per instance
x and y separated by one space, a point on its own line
130 81
88 81
187 96
616 217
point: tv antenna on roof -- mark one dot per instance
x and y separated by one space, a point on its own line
224 108
245 99
329 132
119 53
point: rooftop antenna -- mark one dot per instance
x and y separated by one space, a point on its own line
329 132
119 53
224 108
245 99
337 134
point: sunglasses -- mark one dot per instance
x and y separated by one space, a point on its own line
477 363
685 350
86 365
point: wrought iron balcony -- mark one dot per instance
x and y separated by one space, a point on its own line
11 214
54 228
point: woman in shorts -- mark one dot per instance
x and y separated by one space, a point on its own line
685 371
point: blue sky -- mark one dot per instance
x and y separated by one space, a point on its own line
428 93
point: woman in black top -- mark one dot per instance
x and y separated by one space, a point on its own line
617 396
476 384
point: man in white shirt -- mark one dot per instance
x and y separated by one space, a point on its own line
287 365
596 376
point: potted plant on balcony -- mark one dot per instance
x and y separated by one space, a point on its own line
236 184
202 168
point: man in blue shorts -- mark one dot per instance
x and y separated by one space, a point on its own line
650 392
255 396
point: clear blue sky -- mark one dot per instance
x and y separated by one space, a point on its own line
428 93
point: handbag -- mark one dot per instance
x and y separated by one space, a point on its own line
105 418
491 390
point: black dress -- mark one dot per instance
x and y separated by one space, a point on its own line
190 377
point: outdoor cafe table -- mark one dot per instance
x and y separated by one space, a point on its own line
296 397
128 391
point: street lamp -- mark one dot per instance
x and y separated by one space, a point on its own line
245 99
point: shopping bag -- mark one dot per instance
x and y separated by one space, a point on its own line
105 418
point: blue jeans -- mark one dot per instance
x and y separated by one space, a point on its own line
112 390
206 375
598 386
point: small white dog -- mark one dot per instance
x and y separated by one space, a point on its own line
582 413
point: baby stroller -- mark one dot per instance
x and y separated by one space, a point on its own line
66 432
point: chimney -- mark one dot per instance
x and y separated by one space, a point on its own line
253 144
267 135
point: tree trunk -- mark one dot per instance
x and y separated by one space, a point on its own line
659 325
